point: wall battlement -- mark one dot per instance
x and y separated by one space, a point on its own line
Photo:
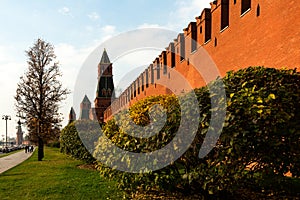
235 33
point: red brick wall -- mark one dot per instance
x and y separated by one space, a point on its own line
271 40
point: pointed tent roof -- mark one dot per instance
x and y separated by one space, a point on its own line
72 111
72 115
85 100
104 58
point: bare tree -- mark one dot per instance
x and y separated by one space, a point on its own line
39 94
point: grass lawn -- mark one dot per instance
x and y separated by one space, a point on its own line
56 177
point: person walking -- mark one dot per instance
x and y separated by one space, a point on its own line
31 149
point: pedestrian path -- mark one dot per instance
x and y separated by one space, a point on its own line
12 160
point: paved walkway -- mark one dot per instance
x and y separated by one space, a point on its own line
12 160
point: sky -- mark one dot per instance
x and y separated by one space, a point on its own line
78 29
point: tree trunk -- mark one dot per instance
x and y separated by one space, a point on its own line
40 149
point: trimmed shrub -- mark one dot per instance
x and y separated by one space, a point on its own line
260 137
55 144
71 142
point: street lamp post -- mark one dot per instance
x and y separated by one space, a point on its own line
2 141
6 117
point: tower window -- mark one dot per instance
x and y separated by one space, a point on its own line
143 81
165 69
134 89
152 74
172 55
258 11
158 71
224 14
138 85
128 95
246 5
147 78
216 42
165 61
131 94
200 29
207 30
194 37
182 47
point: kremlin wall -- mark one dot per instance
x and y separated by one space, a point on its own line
231 35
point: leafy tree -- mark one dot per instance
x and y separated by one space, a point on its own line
39 93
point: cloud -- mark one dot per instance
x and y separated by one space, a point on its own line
93 16
107 32
131 52
12 65
89 28
109 29
71 60
146 25
185 12
65 11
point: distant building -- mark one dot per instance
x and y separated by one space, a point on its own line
105 88
85 107
233 34
104 94
72 115
19 139
230 35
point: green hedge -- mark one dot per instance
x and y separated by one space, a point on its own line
261 135
71 139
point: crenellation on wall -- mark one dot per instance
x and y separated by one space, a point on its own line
181 43
216 21
170 55
266 34
214 5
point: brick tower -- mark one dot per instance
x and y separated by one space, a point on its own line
105 88
19 139
72 115
85 107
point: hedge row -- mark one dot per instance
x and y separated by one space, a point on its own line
77 139
260 136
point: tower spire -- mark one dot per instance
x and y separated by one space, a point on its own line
72 115
105 87
19 139
85 107
105 58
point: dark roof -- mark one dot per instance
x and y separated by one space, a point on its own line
72 111
104 58
86 100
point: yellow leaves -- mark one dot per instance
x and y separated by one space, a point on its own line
259 111
271 96
259 100
244 84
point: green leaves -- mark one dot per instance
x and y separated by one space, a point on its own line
261 134
71 141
